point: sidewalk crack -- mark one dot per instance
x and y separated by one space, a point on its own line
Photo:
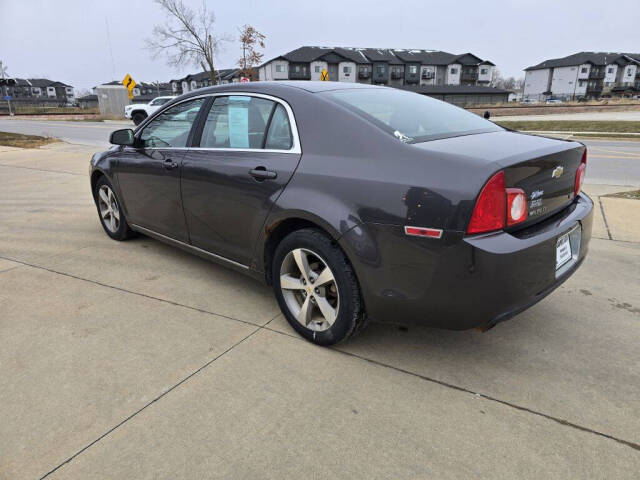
604 218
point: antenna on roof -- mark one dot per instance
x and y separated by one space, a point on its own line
113 63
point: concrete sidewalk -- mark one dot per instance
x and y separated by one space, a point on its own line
137 360
614 218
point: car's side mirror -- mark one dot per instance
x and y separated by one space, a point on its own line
122 137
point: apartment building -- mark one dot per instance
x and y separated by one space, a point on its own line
379 66
202 79
584 75
33 90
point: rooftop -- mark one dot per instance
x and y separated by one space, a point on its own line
393 56
594 58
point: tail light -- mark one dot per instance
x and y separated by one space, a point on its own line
516 206
489 212
580 174
497 206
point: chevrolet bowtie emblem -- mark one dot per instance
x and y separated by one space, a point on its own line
557 172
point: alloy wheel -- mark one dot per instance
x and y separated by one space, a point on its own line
309 289
108 207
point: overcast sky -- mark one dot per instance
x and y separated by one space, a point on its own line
66 40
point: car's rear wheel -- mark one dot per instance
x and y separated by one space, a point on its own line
111 216
316 288
138 117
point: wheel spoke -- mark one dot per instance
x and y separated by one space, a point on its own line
328 312
304 317
324 277
116 213
104 197
303 264
110 197
112 222
104 212
290 283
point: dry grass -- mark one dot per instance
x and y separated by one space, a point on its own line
632 195
54 110
572 126
24 141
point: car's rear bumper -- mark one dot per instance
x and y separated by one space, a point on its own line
460 282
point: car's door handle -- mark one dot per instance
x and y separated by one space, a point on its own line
169 164
261 173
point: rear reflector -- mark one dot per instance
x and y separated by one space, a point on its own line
423 232
490 209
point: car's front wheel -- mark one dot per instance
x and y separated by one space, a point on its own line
316 288
111 215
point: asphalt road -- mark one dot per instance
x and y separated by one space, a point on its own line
137 360
610 162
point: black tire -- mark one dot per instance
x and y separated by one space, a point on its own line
122 230
138 117
351 316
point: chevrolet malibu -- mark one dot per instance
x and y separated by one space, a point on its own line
354 202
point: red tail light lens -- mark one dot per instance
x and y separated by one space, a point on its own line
490 209
516 206
580 174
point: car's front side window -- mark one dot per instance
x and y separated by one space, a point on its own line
237 122
171 128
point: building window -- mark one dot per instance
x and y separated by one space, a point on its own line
279 68
629 73
413 69
453 71
380 69
610 70
363 69
584 70
346 69
484 71
318 69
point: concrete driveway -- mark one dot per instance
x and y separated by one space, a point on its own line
137 360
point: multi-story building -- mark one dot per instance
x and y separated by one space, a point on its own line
39 90
202 79
584 75
379 66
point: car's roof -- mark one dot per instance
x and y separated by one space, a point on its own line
267 87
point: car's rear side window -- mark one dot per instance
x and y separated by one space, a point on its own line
279 135
236 122
409 116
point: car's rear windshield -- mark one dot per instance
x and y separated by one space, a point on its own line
409 116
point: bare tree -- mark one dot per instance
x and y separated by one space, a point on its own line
506 83
187 37
250 39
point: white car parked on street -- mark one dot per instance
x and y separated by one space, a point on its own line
139 111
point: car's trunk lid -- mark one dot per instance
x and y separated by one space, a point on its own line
548 182
544 168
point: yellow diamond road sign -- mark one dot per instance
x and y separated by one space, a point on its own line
129 83
324 76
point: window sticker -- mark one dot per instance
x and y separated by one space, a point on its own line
238 126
